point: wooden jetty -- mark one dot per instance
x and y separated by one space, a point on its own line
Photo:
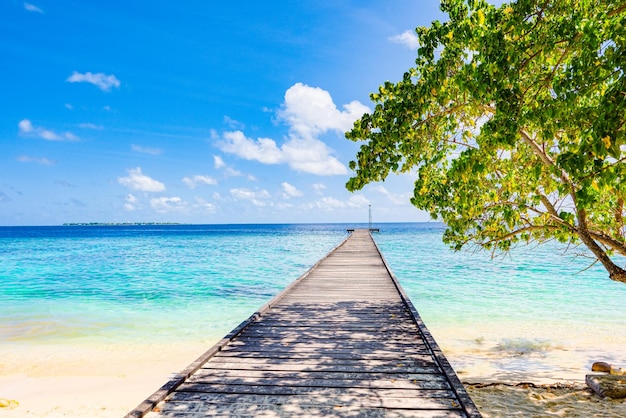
342 340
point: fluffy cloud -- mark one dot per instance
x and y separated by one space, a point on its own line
26 128
38 160
257 197
407 38
312 156
168 204
136 180
305 155
290 191
32 8
198 179
263 149
309 112
103 81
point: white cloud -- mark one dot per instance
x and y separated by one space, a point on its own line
358 201
290 191
136 180
103 81
38 160
312 156
402 199
257 197
146 150
407 38
319 188
131 203
232 123
68 136
263 149
218 162
168 204
27 128
198 179
309 112
204 206
305 155
32 8
328 203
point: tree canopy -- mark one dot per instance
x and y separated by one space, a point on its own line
513 121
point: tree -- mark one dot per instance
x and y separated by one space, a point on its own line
513 120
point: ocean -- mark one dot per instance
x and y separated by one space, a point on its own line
536 314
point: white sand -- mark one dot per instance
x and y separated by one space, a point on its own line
100 381
109 381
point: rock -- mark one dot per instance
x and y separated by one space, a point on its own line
607 386
600 366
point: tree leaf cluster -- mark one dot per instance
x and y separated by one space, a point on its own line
513 121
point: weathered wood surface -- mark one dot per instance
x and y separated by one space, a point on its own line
342 340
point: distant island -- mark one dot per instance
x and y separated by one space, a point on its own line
118 223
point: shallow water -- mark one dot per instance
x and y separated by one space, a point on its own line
533 315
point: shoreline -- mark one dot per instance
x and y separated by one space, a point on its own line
102 381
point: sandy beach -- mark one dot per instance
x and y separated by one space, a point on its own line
99 381
108 381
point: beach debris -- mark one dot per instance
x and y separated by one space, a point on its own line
607 385
8 403
601 366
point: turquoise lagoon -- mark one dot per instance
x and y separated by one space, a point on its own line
535 314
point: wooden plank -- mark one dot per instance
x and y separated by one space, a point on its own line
322 363
291 379
328 400
284 366
364 378
199 409
316 391
337 355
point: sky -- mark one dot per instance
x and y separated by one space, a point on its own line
195 111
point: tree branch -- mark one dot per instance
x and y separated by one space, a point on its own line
608 241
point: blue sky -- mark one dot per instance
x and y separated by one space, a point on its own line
196 111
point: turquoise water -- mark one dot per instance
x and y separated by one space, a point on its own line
502 318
